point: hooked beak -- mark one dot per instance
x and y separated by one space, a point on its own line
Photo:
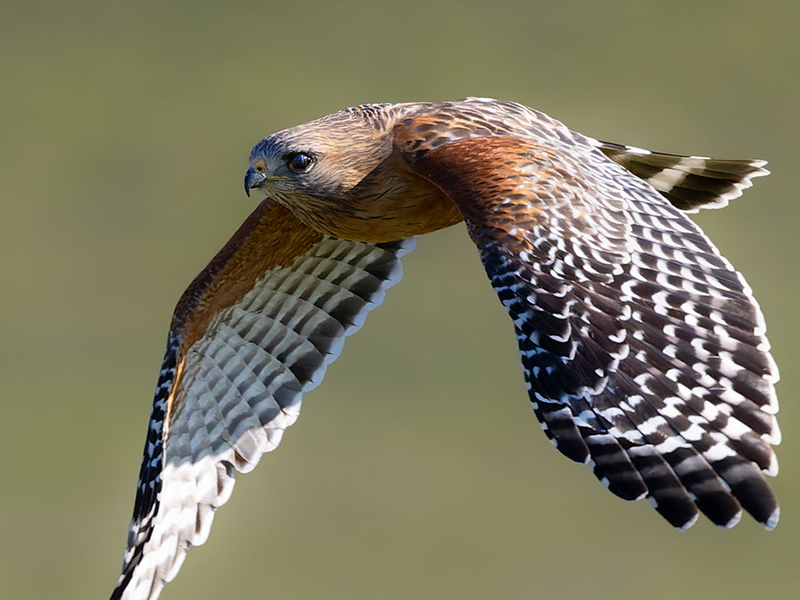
253 179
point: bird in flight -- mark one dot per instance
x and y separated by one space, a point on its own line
643 350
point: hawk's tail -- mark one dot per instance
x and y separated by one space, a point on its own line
688 182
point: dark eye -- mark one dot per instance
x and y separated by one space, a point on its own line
298 162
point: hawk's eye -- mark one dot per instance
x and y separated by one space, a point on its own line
298 162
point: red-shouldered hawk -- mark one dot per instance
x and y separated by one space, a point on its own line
643 349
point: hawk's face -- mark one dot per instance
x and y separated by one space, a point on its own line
341 176
320 161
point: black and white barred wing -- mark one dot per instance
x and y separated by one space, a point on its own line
643 349
253 332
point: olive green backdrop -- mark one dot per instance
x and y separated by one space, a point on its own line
417 469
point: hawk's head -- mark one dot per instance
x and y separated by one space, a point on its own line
340 175
323 159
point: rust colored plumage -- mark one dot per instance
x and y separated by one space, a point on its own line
643 350
270 237
496 203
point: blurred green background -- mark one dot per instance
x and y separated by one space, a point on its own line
417 469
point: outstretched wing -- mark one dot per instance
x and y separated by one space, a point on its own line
255 330
643 349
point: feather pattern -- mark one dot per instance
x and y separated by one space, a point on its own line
226 396
643 349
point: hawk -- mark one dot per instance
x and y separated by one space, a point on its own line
643 349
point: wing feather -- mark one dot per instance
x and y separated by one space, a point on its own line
253 332
642 348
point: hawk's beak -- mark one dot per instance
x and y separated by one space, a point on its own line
253 179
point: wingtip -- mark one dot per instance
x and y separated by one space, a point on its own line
732 523
773 519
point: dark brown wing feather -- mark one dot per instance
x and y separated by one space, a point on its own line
642 348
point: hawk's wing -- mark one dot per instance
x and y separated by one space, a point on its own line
255 330
643 349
